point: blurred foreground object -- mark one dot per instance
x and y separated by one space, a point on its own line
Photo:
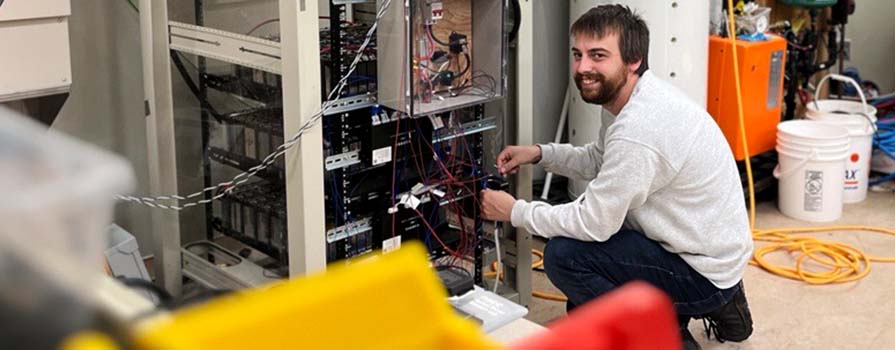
57 201
393 301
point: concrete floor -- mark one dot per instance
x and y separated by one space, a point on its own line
790 314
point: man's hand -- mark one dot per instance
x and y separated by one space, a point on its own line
497 205
509 160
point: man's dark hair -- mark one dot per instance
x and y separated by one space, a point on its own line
633 34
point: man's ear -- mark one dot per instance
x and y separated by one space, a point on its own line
633 67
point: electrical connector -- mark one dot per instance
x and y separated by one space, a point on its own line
440 56
458 43
456 282
446 78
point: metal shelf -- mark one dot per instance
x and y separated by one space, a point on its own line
268 92
263 196
269 120
272 173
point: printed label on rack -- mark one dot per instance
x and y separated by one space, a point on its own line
382 155
349 230
437 123
391 244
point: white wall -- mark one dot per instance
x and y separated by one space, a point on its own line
106 102
551 62
872 32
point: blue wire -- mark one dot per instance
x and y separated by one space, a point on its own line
337 200
884 140
361 78
357 185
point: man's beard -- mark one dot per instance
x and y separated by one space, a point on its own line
608 88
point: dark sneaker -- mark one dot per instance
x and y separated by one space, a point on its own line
689 342
731 322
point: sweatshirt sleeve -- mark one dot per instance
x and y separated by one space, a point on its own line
630 173
576 162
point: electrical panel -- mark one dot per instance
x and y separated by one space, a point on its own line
439 55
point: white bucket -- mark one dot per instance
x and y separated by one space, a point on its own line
859 118
820 153
810 145
808 132
811 177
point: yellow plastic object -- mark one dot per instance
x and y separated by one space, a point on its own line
393 302
89 340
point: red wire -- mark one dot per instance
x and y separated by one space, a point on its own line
435 234
262 24
474 181
417 158
468 152
327 17
277 20
452 179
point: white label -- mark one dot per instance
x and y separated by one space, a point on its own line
391 244
418 189
413 202
437 123
814 188
382 155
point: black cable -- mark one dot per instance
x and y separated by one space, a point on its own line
517 21
134 6
197 298
178 62
468 64
470 84
432 34
452 267
164 297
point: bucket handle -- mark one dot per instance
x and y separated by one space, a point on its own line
778 175
843 79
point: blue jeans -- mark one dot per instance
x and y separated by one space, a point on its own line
586 270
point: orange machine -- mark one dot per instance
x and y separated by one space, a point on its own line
761 66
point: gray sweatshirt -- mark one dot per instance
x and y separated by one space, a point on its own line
661 167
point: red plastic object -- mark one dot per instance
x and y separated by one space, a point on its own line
637 316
